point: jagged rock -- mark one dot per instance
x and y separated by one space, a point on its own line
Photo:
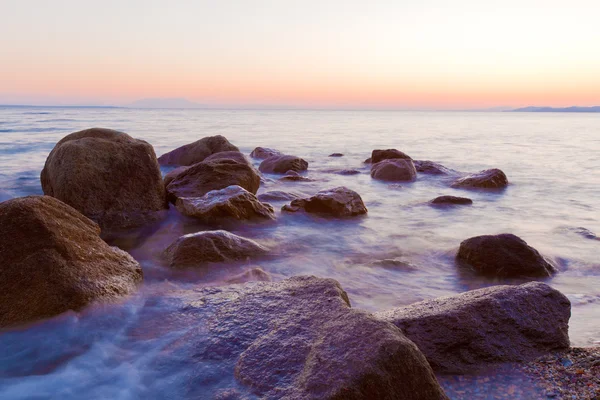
433 168
263 153
106 175
282 164
389 154
488 179
278 195
337 202
232 202
504 255
394 170
53 260
450 200
198 249
477 329
197 151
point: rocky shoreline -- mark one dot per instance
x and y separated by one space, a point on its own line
297 338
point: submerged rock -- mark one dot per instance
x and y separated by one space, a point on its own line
197 151
337 202
263 153
336 155
106 175
299 339
477 329
368 161
256 274
197 249
53 260
232 202
398 170
504 255
488 179
282 164
450 200
433 168
348 172
214 174
389 154
278 195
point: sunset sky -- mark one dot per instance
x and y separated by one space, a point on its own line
427 54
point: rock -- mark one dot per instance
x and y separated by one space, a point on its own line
299 339
396 170
282 164
433 168
196 152
488 179
336 155
228 155
214 174
256 274
450 200
278 195
348 172
296 178
389 154
368 161
337 202
232 202
173 174
197 249
106 175
504 255
53 260
477 329
262 153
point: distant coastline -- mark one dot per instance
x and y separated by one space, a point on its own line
573 109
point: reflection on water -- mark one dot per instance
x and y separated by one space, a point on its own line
401 252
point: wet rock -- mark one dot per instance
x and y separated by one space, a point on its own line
197 151
337 202
256 274
583 232
433 168
197 249
106 175
278 195
53 260
368 161
477 329
229 155
169 176
336 155
295 178
282 164
396 170
262 153
488 179
504 255
232 202
348 172
389 154
299 339
214 174
450 200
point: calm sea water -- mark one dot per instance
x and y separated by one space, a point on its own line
551 161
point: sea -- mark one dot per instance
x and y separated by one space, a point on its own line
403 251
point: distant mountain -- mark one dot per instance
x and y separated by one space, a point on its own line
164 103
561 110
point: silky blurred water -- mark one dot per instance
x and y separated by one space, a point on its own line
551 161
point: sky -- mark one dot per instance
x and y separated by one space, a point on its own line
426 54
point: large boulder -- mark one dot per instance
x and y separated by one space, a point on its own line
106 175
232 202
474 330
337 202
214 173
193 153
488 179
296 339
388 154
198 249
263 153
52 260
394 170
282 164
505 256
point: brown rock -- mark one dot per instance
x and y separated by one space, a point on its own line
282 164
394 170
196 152
477 329
106 175
450 200
52 260
262 153
433 168
488 179
278 195
389 154
337 202
256 274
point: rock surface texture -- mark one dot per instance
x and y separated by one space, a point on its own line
388 154
505 256
488 179
198 249
263 153
106 175
52 260
450 200
282 164
474 330
433 168
337 202
394 170
197 151
232 202
279 195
